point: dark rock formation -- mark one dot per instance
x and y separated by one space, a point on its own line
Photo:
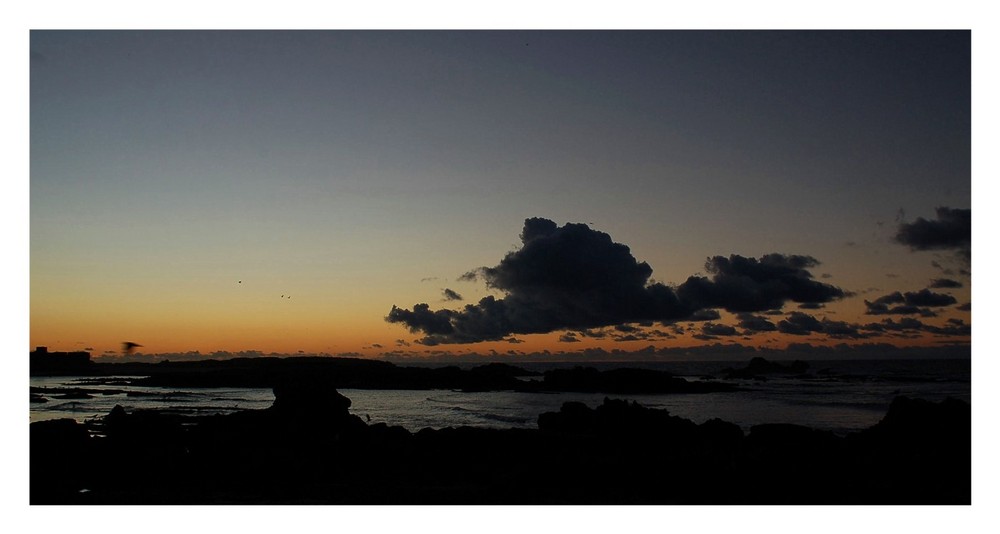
308 448
45 363
58 449
358 373
759 367
920 452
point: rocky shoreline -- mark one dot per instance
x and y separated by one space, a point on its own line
356 373
308 449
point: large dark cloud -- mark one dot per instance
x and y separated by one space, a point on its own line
951 231
574 278
740 284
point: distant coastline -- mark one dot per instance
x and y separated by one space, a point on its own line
710 352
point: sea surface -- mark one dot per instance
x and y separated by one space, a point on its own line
840 396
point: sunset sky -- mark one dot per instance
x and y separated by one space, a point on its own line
290 191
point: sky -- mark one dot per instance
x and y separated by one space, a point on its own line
405 194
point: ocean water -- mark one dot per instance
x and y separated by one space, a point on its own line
840 396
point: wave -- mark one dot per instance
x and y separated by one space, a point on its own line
504 418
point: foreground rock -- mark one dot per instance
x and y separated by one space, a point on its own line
308 449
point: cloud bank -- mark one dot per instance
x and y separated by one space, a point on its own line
909 303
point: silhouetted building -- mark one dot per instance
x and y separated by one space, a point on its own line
44 362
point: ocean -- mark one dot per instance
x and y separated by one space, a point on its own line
841 396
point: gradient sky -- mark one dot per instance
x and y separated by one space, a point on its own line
184 185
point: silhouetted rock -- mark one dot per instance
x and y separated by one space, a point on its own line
619 419
920 449
66 432
948 420
308 397
782 444
308 448
758 367
494 377
503 369
312 405
58 450
45 363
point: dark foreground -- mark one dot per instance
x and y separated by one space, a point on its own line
308 449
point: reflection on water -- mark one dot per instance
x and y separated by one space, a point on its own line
103 394
842 398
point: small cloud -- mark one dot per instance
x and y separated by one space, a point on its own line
900 215
592 333
951 231
451 295
708 314
800 324
568 337
926 297
714 329
965 307
755 323
945 283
